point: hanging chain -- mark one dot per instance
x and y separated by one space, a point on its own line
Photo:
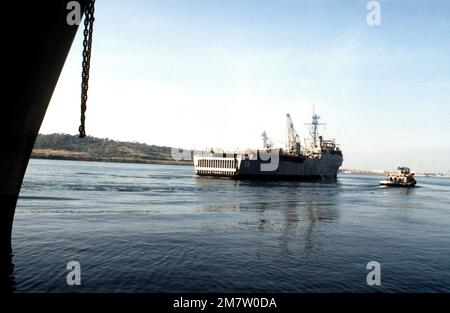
87 44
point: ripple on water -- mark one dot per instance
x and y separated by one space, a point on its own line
150 228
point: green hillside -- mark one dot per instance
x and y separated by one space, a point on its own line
70 147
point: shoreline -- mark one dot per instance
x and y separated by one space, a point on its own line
190 163
111 160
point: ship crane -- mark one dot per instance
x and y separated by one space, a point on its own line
293 139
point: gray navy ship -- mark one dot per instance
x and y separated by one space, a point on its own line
316 159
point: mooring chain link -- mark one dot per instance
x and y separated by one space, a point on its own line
87 44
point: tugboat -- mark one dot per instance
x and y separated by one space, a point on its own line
402 177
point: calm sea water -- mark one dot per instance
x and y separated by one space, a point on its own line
154 228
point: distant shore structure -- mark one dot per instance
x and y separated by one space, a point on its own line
316 159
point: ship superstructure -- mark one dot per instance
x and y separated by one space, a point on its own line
316 159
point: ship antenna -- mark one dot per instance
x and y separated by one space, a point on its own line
314 130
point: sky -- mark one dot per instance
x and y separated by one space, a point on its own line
197 74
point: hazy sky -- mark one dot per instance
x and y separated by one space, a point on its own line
198 74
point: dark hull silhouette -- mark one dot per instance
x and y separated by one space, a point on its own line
41 40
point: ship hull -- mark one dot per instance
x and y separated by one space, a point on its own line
267 177
41 42
288 168
397 184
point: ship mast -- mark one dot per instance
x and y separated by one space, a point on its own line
314 129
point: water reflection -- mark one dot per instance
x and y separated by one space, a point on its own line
314 215
312 208
7 280
404 191
289 230
207 182
283 207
